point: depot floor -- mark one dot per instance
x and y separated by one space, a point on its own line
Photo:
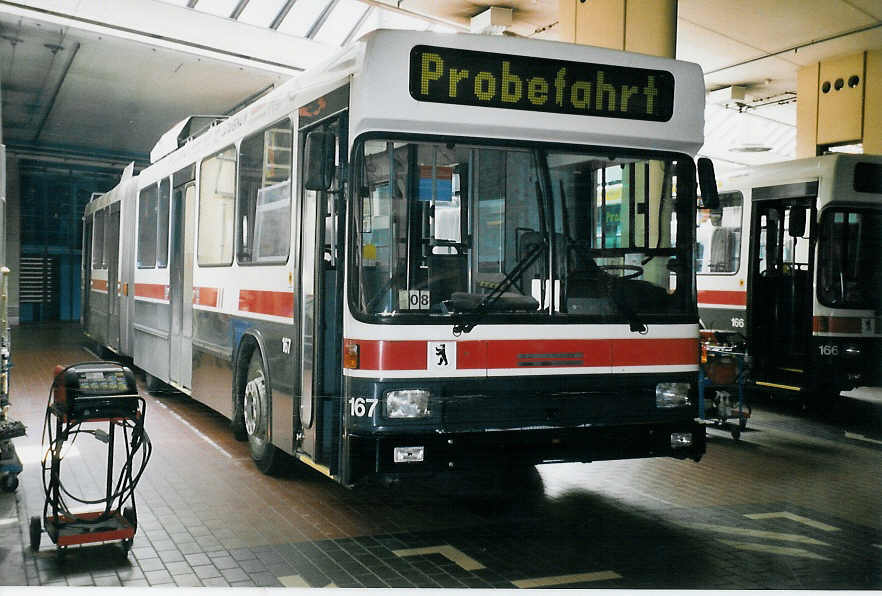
794 504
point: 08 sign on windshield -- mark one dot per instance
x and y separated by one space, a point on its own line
466 77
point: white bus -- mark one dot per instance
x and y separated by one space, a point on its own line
433 252
790 265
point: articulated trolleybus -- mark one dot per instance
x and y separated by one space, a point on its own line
431 253
790 266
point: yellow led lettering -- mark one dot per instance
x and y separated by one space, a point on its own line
627 92
456 75
511 85
650 92
559 84
537 91
485 86
432 69
604 88
580 94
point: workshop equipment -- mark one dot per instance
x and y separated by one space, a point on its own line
10 464
721 379
85 395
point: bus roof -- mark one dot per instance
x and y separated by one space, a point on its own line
378 67
515 88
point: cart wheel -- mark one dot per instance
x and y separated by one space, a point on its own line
10 483
736 433
129 515
36 533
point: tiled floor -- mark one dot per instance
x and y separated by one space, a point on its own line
794 504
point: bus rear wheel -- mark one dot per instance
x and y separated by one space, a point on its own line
256 400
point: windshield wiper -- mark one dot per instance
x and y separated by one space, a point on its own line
490 299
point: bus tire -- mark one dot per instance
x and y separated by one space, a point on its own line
256 400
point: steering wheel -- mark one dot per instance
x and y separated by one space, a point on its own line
636 270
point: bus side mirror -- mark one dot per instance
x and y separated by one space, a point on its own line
318 160
796 226
707 183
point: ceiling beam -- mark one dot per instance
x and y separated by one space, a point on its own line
164 25
239 8
323 16
51 103
364 17
283 12
797 47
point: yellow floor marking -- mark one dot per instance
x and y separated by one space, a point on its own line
793 517
787 551
755 533
849 435
315 466
878 545
293 581
779 386
559 580
455 555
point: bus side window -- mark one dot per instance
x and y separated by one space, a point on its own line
147 227
98 240
264 210
217 190
162 224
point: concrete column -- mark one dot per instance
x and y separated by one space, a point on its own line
873 103
645 26
13 233
839 101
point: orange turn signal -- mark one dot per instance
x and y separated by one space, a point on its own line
350 354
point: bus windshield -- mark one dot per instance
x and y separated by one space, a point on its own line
849 270
442 229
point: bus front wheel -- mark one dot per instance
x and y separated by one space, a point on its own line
256 399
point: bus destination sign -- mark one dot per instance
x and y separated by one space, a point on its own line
466 77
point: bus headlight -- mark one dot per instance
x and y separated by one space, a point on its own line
671 395
851 350
407 403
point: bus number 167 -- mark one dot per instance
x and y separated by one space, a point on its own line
358 406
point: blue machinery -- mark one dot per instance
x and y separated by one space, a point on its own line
721 378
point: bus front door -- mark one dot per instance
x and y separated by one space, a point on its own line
319 312
780 301
111 243
181 282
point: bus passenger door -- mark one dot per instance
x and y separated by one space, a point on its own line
111 251
779 308
86 275
318 311
181 281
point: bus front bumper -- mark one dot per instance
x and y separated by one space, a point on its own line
420 454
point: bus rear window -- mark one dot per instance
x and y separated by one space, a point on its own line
868 177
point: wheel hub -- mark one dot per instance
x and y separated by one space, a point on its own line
254 391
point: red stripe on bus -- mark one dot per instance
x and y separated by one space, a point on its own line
735 298
267 302
533 353
99 284
205 296
391 355
649 352
836 324
159 291
471 354
528 353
